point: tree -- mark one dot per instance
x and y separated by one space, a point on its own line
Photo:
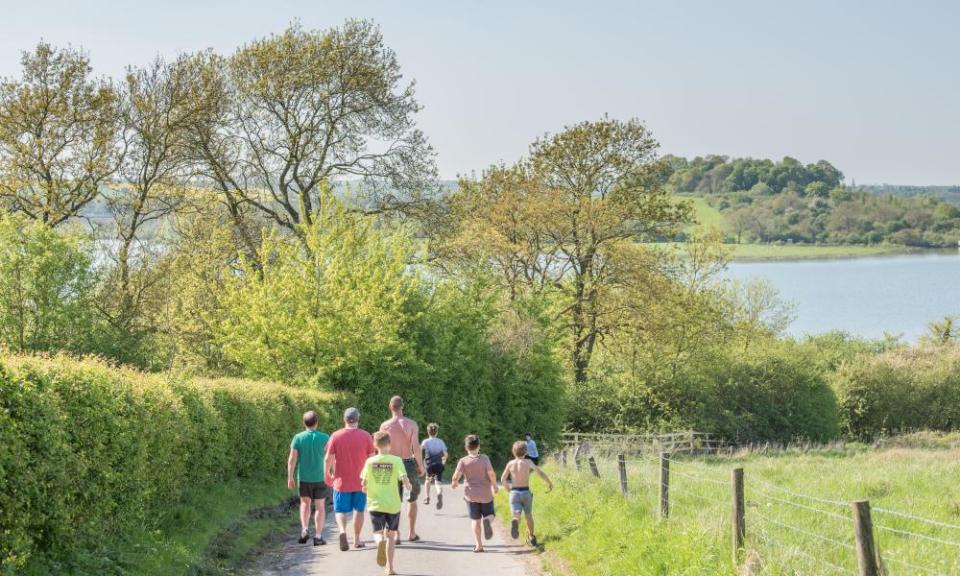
45 288
563 222
58 135
941 332
302 108
159 105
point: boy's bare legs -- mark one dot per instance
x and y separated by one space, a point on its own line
426 491
391 546
478 541
530 533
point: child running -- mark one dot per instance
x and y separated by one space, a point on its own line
480 486
380 476
435 458
516 477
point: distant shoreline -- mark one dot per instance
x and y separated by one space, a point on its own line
788 252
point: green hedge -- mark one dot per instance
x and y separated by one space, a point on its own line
775 392
900 391
88 450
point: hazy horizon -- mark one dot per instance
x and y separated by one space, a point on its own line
866 86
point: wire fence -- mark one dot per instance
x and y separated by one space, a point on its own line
795 532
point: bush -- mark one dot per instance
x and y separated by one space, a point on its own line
90 450
773 392
900 390
341 308
45 288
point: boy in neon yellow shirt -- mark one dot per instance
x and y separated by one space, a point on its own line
380 476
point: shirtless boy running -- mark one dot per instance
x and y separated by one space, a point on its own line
516 477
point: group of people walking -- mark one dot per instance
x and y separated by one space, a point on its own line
372 472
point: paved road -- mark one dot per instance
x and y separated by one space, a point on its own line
445 549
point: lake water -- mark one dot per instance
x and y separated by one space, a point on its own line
864 296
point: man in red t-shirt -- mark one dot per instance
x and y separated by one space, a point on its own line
347 452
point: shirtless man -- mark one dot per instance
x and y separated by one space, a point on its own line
405 444
516 477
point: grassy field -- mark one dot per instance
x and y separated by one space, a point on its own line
706 215
709 217
798 516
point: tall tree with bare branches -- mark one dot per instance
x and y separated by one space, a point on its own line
297 110
58 135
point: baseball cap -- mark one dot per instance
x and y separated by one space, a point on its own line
351 415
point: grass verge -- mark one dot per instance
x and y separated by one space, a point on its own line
210 533
797 515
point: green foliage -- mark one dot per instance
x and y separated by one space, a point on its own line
45 288
769 392
58 130
342 308
900 390
335 299
768 202
92 450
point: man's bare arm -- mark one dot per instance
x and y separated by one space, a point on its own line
417 452
330 464
291 468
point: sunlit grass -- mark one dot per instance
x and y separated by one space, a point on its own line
589 527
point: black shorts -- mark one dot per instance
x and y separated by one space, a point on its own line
314 490
480 510
435 471
534 459
384 520
413 475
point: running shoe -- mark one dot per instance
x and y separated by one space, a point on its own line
487 529
344 545
304 536
439 501
515 528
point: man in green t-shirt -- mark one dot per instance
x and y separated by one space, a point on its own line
305 471
380 476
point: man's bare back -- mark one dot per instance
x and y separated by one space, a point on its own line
403 436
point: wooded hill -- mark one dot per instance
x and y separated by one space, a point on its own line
787 201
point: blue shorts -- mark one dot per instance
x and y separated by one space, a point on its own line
521 500
346 502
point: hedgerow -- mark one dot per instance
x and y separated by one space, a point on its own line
89 450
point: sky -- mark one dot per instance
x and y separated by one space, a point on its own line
871 86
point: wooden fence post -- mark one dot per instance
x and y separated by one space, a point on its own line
563 458
739 520
622 466
576 456
593 466
866 551
664 485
